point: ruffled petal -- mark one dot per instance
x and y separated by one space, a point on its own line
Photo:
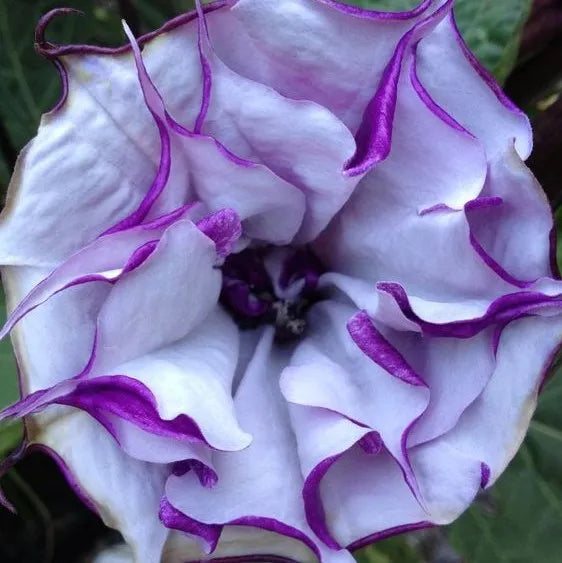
174 289
414 201
105 260
221 179
299 141
514 235
125 492
258 487
362 379
301 49
88 167
53 342
190 378
493 427
460 85
177 286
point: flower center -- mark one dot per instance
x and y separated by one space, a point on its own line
271 285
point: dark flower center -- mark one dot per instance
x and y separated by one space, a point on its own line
270 285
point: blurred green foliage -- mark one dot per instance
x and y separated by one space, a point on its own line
11 434
520 519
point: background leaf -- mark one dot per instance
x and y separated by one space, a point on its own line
393 550
10 434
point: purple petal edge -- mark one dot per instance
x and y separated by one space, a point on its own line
379 536
374 136
483 72
431 104
504 309
377 14
373 344
131 400
484 474
173 518
314 510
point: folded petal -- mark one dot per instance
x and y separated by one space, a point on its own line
302 50
105 260
493 427
181 394
60 198
223 180
385 230
476 101
53 342
259 486
174 289
366 498
359 376
515 234
177 286
125 492
299 141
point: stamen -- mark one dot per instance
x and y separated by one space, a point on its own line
254 297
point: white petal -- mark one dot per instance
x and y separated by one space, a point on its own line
463 88
492 429
88 167
125 492
160 301
194 377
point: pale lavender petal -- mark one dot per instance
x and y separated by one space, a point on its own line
516 233
57 203
118 487
223 180
301 49
174 289
476 101
259 486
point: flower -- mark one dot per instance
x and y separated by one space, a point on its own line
286 289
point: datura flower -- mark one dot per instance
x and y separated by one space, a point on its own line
280 284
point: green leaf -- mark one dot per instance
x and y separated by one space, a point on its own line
520 519
387 5
11 434
393 550
492 28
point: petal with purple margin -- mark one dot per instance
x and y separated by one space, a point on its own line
458 83
299 141
516 233
260 486
58 201
361 377
105 259
493 427
301 49
222 180
174 290
381 233
53 342
193 377
124 491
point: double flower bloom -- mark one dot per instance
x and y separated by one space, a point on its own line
279 163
